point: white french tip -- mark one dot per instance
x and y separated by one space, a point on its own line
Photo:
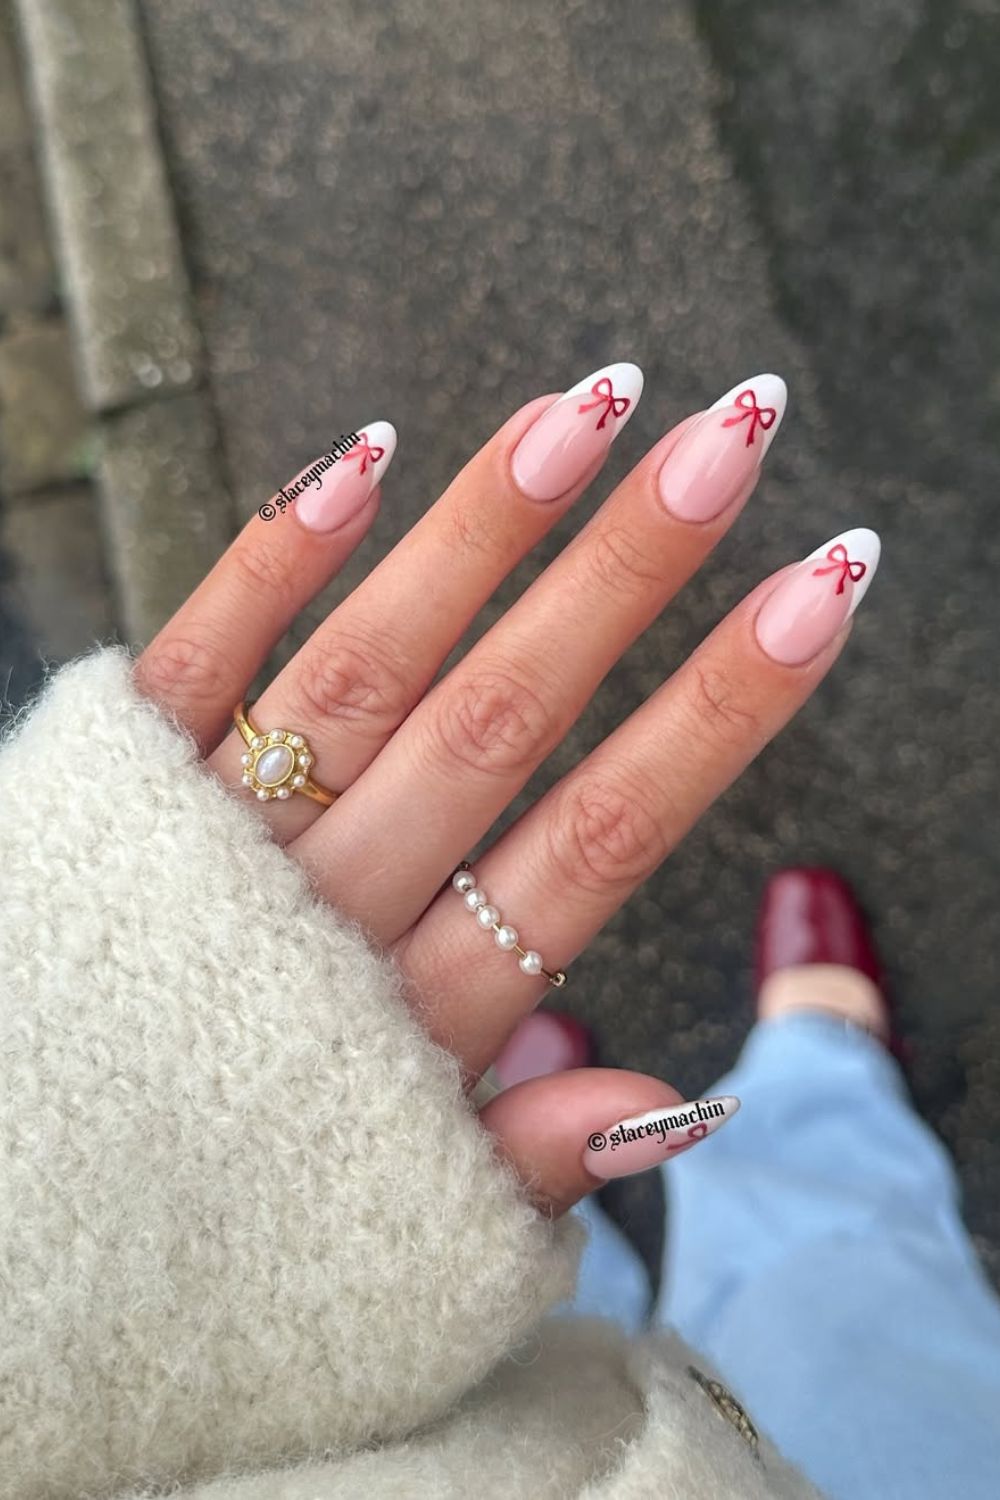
626 381
769 393
862 545
380 435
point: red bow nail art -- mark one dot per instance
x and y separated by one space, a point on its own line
837 556
364 451
766 416
616 405
694 1134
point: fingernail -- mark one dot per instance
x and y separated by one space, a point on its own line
642 1141
328 493
810 604
575 431
722 450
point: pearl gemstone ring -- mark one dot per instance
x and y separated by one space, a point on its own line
277 763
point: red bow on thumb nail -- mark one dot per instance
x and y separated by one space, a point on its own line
694 1134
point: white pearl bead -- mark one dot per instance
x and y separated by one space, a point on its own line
475 899
246 759
297 741
274 765
305 760
487 915
506 937
283 793
262 796
298 781
277 734
531 963
247 778
463 881
258 742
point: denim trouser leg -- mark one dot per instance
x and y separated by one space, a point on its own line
815 1253
612 1282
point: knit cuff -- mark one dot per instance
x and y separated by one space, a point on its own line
247 1212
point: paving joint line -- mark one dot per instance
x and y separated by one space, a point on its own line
139 353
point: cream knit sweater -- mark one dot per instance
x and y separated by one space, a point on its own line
253 1240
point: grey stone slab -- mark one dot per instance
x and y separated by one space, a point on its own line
45 434
27 275
166 508
57 583
126 283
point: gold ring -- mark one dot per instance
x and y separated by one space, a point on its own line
487 915
276 762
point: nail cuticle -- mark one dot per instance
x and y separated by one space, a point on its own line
807 610
346 485
574 434
718 457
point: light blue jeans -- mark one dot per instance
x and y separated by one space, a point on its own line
815 1253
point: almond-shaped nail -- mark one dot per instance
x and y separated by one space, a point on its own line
643 1141
811 604
575 431
334 488
721 451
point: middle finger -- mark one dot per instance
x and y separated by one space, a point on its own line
470 746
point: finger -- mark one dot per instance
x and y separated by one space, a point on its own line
470 746
576 856
200 663
361 672
566 1134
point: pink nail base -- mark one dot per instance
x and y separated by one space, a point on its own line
708 469
802 616
558 450
339 496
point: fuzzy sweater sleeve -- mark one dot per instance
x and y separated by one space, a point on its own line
246 1211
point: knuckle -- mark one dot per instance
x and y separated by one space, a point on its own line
719 709
620 564
263 570
181 669
603 835
347 680
492 721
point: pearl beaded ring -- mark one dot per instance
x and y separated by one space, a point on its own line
529 962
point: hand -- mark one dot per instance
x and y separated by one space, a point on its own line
424 772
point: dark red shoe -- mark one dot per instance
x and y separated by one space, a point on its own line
810 915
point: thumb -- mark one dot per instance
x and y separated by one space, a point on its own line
567 1133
